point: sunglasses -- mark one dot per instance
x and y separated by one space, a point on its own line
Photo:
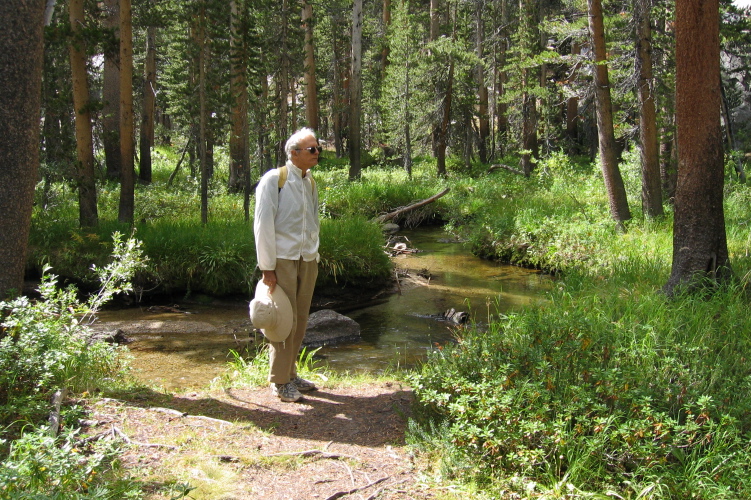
311 149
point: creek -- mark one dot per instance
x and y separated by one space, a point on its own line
184 348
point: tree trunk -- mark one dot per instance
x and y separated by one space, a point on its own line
572 107
356 94
21 56
530 47
111 96
283 86
386 26
149 106
482 89
407 117
239 135
435 32
311 93
700 250
85 178
608 151
338 104
501 113
202 133
127 181
651 189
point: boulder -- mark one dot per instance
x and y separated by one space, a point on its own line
327 327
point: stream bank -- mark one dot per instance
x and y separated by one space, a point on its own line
189 345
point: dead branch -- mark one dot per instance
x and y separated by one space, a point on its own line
311 453
400 211
505 167
211 419
389 487
340 494
54 418
179 162
121 434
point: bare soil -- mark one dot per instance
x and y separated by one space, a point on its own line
342 442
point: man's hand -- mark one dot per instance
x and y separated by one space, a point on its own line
269 279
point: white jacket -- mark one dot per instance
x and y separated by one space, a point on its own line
286 222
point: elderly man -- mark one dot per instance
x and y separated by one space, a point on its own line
286 232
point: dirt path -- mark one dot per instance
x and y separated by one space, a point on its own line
345 442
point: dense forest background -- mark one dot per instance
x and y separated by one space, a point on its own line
463 81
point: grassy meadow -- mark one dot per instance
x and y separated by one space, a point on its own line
606 390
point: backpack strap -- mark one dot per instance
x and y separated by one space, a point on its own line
283 178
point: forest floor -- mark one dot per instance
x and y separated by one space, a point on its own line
340 441
336 442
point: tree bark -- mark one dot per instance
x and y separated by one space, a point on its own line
202 133
572 107
149 107
355 146
239 134
85 179
608 150
21 56
111 95
283 85
127 181
651 189
530 47
386 27
311 92
700 252
482 89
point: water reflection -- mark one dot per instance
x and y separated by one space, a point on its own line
180 349
401 330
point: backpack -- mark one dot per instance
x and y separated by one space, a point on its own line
283 178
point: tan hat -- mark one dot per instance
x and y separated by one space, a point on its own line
271 312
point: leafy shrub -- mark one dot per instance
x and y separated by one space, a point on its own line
606 387
41 466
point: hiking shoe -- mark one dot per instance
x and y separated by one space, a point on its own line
304 385
286 392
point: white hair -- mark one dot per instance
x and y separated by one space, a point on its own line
295 139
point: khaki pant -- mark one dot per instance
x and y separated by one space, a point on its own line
298 279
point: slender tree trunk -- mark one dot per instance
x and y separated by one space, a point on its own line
356 93
283 85
482 89
21 56
407 161
530 47
386 28
608 151
311 93
239 135
651 189
502 78
338 101
700 250
149 106
111 96
127 181
85 176
202 127
435 32
572 107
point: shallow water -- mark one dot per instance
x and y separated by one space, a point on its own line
182 349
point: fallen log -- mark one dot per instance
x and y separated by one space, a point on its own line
387 217
505 167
